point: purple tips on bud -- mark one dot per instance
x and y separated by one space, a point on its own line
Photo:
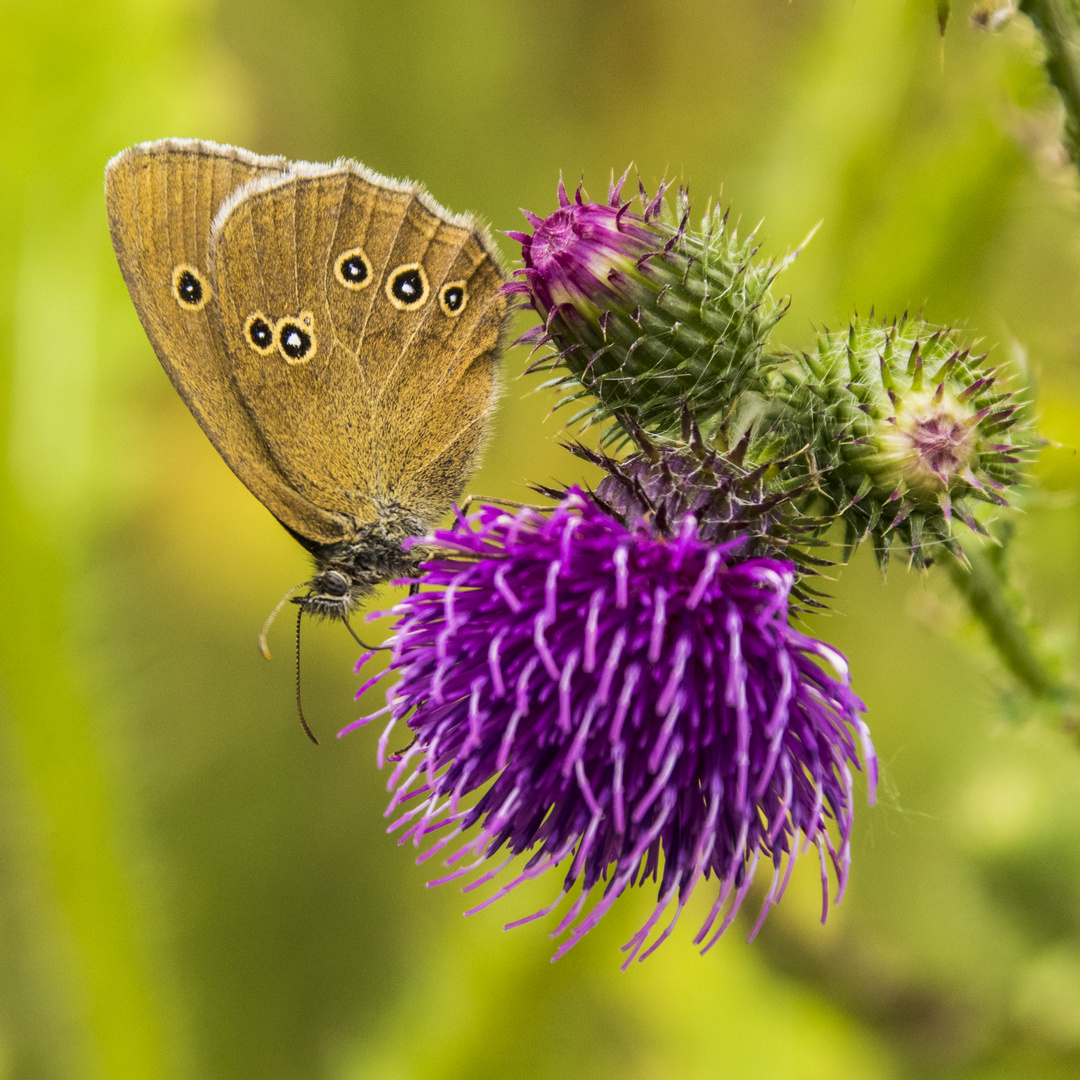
573 251
660 316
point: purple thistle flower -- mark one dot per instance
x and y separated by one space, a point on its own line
622 705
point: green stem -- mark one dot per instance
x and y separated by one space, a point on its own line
943 9
1058 24
997 608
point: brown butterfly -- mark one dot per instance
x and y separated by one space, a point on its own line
335 333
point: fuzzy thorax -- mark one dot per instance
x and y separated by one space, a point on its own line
347 573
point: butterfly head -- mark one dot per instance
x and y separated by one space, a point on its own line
347 574
333 594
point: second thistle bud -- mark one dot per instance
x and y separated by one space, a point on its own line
647 316
903 428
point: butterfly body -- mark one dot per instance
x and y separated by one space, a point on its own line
335 333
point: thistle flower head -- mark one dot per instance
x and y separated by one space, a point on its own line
618 706
642 312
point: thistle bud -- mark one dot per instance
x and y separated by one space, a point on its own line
646 315
904 427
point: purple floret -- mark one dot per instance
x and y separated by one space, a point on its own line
626 706
587 253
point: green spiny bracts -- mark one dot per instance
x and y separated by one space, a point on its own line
903 428
645 316
728 499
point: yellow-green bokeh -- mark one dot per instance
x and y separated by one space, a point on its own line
188 889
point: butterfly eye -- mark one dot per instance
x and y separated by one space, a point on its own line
453 298
353 269
259 333
190 289
295 338
407 286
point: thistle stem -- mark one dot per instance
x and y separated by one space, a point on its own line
1058 24
997 608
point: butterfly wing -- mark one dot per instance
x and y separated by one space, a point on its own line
162 198
363 325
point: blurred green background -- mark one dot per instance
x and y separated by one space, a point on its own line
188 888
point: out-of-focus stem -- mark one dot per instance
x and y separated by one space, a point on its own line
943 9
997 608
1058 23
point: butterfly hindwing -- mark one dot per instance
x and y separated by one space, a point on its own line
385 315
441 407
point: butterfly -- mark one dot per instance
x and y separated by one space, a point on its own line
335 333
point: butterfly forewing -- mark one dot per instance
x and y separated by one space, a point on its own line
161 199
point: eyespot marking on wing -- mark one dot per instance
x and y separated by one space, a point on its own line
352 268
190 289
259 333
296 338
453 297
407 286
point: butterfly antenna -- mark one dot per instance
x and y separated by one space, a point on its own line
363 644
264 648
300 708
